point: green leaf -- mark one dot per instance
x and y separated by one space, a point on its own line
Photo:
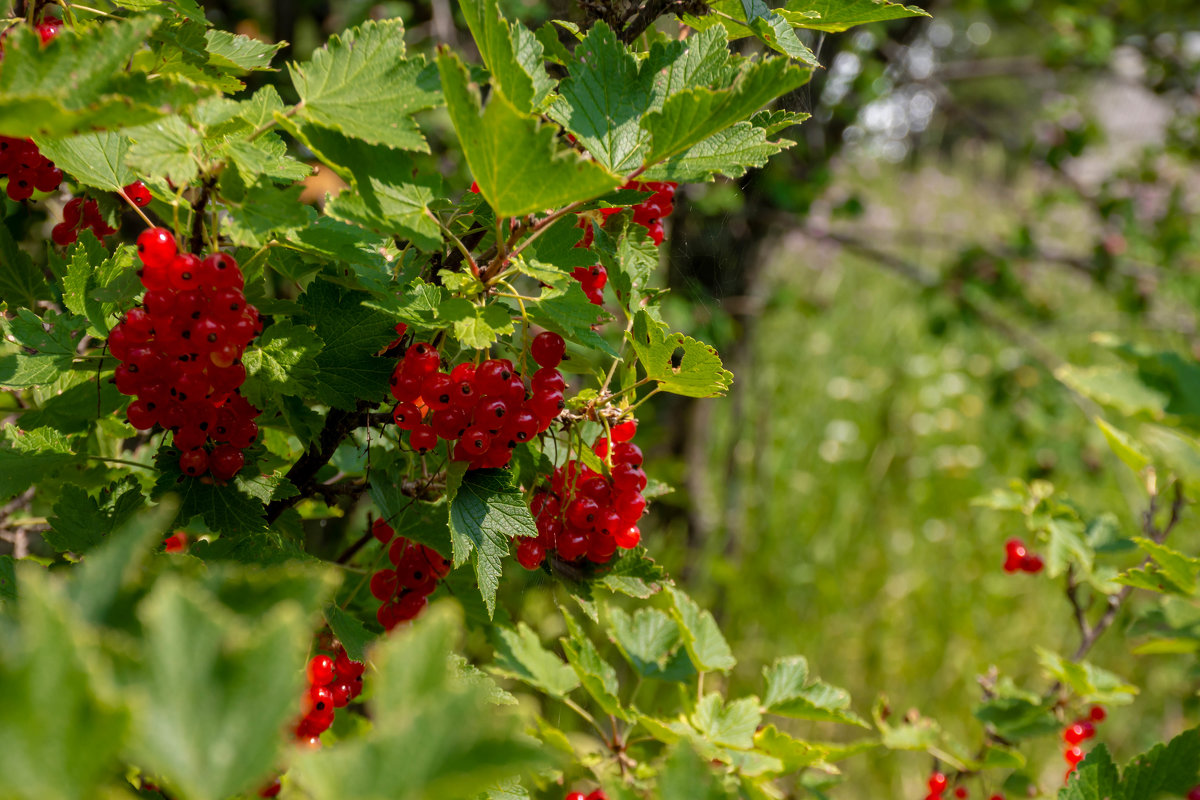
772 122
819 701
913 733
647 639
242 53
786 679
686 776
282 361
835 16
692 115
81 522
570 314
605 97
520 655
476 327
597 676
1169 565
731 725
211 676
1094 779
512 155
486 510
231 509
679 364
93 276
793 753
775 32
1171 768
1067 545
266 155
21 283
353 334
350 631
8 581
1018 718
632 573
93 159
730 153
167 147
492 36
361 84
27 457
77 81
1125 446
266 210
1087 681
60 726
387 196
701 636
1118 387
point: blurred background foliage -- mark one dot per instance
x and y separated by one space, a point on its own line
975 196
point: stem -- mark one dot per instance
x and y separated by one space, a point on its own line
581 711
266 126
196 242
466 253
135 207
121 461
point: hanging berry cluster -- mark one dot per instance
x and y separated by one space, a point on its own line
587 513
1078 732
404 590
80 213
26 169
332 684
1018 559
938 784
649 213
597 794
181 355
592 280
485 410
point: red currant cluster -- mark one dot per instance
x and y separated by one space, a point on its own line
649 213
332 684
483 409
587 513
181 355
1076 734
26 169
404 590
1018 559
76 213
593 280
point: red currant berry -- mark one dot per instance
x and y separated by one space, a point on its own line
272 789
960 792
156 247
138 194
63 234
423 439
1073 755
437 390
226 461
624 431
627 538
406 415
320 670
937 783
548 349
1097 714
421 358
1079 732
347 668
384 584
193 462
220 271
530 553
48 30
1032 564
177 542
1194 794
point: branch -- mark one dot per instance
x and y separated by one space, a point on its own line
338 425
196 242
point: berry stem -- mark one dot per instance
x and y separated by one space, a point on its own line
449 234
134 206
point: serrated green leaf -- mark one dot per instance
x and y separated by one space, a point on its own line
520 655
476 327
819 701
678 363
793 753
1180 570
775 31
76 81
785 679
835 16
353 334
692 115
772 122
28 457
282 361
914 732
233 51
231 509
701 636
731 725
512 155
730 153
265 156
60 726
1090 683
97 284
492 36
597 676
1017 718
632 573
93 159
1095 778
350 631
81 522
486 511
361 85
604 99
264 211
1123 445
1067 545
1118 387
646 639
21 283
212 676
570 314
1170 768
687 776
387 196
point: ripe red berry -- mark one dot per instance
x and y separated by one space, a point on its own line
1079 732
423 439
176 543
193 462
1073 754
530 553
575 796
406 416
138 194
225 461
63 234
156 247
937 783
1194 794
272 789
624 431
1097 714
320 670
548 349
960 792
1032 564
